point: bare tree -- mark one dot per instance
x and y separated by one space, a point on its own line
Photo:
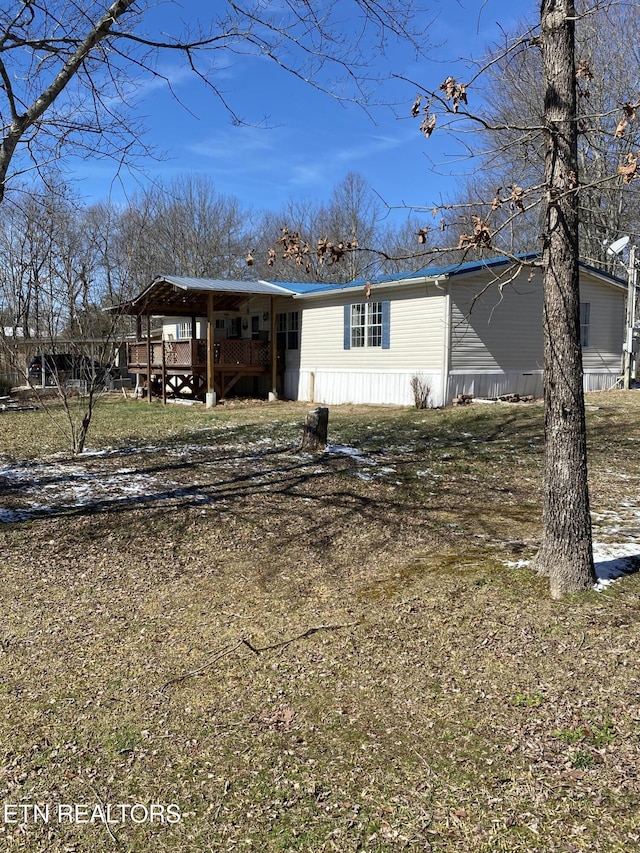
53 288
68 67
347 238
566 553
608 61
182 228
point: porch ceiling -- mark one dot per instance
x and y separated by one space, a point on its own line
177 296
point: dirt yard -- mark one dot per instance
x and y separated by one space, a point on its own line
214 642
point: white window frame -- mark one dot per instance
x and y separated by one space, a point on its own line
288 330
366 324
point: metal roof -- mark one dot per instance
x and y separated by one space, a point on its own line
187 296
448 271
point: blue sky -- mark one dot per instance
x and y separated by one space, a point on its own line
312 141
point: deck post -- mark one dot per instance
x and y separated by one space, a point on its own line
164 373
273 394
211 328
149 357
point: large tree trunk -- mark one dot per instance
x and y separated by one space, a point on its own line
566 552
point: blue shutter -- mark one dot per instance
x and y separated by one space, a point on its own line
347 326
386 325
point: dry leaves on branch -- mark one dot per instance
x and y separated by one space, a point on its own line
294 248
331 253
584 70
429 121
620 129
629 114
480 238
428 125
628 170
517 197
455 92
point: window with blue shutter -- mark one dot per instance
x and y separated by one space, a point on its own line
386 325
367 324
347 326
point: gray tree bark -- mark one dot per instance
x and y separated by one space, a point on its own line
566 554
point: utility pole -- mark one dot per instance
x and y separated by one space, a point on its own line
631 317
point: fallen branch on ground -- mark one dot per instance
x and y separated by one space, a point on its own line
302 636
243 641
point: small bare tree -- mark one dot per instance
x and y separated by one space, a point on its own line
52 285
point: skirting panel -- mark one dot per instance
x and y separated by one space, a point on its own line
489 385
335 387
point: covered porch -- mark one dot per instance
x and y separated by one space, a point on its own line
202 368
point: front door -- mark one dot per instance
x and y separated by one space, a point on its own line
255 327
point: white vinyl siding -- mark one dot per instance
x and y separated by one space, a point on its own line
416 333
493 330
500 333
606 325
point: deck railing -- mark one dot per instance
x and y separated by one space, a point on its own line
187 354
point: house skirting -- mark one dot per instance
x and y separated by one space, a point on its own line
335 387
490 385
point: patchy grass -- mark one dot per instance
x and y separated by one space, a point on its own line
333 653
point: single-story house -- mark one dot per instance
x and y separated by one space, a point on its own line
472 328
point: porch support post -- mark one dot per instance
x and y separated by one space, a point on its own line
273 394
164 373
149 357
211 327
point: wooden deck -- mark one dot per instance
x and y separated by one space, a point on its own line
180 367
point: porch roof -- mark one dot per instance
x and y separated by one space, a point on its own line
185 296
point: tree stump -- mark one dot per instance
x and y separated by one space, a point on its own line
314 435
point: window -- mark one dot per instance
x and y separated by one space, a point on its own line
287 330
184 330
585 318
366 324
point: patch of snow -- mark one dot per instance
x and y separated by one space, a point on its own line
344 450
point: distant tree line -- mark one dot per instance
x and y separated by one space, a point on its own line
62 261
